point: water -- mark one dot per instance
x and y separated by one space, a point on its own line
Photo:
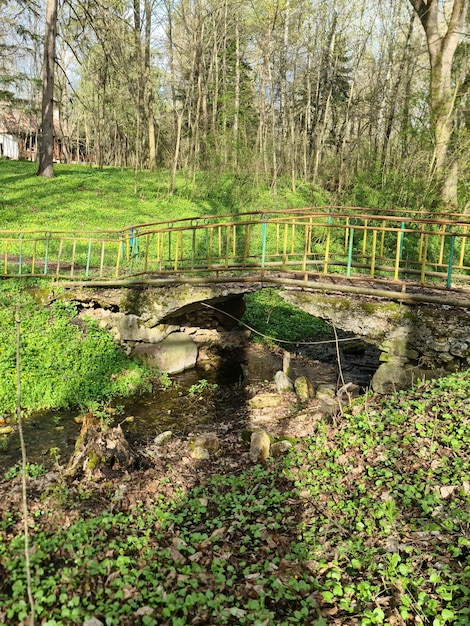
181 409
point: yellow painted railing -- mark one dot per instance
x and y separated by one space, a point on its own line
352 242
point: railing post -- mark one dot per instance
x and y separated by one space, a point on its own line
20 257
451 261
33 261
372 260
402 237
72 264
462 249
134 242
399 250
424 253
46 257
327 245
119 252
264 230
364 238
88 257
193 243
147 249
350 246
441 251
170 225
284 250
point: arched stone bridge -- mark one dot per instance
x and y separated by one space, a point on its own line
416 329
400 280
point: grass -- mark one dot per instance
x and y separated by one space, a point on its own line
367 522
81 198
273 317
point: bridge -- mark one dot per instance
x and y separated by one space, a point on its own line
355 250
399 280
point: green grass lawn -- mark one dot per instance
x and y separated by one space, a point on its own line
83 198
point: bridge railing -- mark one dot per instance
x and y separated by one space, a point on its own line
321 240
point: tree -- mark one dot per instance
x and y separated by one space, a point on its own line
46 152
442 40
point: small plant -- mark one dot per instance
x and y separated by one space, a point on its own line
33 470
164 380
201 387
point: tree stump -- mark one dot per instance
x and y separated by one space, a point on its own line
100 451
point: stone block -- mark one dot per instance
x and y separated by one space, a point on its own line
174 354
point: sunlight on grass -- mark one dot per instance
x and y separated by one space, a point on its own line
80 197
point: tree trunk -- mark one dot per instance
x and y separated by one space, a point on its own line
46 153
442 41
100 451
149 99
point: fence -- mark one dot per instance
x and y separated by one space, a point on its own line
322 240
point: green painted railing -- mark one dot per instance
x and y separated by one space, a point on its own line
353 242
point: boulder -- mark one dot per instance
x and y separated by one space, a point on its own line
286 368
265 400
329 403
348 391
176 353
208 441
304 388
199 453
259 446
93 621
326 390
163 438
131 328
390 377
280 447
394 376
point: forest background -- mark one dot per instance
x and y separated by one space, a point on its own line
333 95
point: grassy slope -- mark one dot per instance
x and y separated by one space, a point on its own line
79 197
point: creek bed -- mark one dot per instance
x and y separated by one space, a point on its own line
188 404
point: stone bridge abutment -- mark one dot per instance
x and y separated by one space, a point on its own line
416 340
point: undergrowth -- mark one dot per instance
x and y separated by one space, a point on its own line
367 522
65 360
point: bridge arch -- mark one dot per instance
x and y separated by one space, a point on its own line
417 339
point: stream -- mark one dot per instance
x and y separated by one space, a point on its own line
188 403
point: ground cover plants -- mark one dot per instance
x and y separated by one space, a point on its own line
65 361
82 198
366 522
274 318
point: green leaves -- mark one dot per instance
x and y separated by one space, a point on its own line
339 531
270 315
63 362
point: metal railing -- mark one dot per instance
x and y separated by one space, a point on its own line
330 241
